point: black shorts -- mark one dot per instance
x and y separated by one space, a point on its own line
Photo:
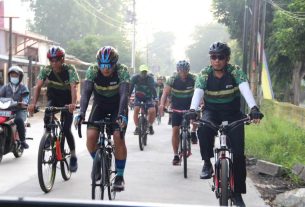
176 119
99 112
149 102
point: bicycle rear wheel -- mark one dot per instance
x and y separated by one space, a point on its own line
46 163
64 164
184 153
141 133
111 175
97 189
224 191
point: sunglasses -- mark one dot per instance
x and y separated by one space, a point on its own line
183 69
219 57
104 66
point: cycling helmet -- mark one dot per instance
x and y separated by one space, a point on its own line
17 70
107 56
183 65
220 47
161 77
56 52
143 68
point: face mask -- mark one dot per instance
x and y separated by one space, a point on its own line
15 80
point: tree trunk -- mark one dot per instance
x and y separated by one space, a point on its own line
297 76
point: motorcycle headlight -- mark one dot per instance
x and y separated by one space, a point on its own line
1 129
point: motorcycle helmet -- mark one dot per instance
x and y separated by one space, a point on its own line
17 70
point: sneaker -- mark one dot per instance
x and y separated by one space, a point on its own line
24 145
73 164
207 171
136 131
151 130
119 184
194 138
238 200
176 160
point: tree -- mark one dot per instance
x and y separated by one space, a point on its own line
203 37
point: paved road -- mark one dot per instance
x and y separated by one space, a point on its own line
149 175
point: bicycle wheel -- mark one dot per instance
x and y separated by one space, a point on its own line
184 153
97 191
111 175
141 133
64 164
224 191
145 128
46 163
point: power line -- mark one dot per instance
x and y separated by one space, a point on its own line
294 15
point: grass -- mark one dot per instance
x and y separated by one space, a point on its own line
277 141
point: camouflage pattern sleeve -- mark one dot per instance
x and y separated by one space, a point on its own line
44 72
238 74
73 75
91 72
170 81
201 80
123 73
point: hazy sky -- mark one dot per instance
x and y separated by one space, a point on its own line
177 16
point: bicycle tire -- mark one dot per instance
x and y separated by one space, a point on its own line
184 153
2 146
96 186
111 175
145 127
141 132
46 159
224 191
64 164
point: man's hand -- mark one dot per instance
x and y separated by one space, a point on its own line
122 121
31 109
255 115
72 107
78 119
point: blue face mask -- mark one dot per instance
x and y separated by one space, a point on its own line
14 80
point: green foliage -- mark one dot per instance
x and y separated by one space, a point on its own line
203 37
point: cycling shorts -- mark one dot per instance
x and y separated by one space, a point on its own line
149 102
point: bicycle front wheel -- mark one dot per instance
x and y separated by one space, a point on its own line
224 191
111 175
145 128
97 189
141 132
46 163
184 153
64 164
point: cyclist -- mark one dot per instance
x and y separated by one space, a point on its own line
109 81
62 80
145 90
160 86
19 92
221 84
180 87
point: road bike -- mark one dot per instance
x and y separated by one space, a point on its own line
143 125
223 178
184 137
103 169
53 148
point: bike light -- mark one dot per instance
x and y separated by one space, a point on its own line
1 130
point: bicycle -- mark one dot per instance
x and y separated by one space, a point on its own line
52 149
104 161
223 178
184 136
143 126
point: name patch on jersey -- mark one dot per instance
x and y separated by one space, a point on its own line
229 86
189 87
113 83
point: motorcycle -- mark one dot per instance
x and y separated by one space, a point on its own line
9 138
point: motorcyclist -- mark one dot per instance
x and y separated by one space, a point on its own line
19 92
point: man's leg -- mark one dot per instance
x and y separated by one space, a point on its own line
19 121
151 118
120 160
136 118
176 122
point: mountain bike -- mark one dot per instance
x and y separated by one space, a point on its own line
53 148
143 126
184 136
104 161
223 179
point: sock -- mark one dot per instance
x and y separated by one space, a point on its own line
73 154
207 162
93 154
120 167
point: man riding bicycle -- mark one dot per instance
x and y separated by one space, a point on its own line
221 85
145 91
19 92
109 81
62 80
180 87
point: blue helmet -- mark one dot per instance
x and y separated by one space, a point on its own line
183 65
107 55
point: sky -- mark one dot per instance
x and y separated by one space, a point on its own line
177 16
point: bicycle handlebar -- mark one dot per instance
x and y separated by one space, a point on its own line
54 108
100 124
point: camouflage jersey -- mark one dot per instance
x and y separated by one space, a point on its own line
221 93
181 91
106 89
144 87
58 85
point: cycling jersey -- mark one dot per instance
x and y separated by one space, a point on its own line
221 94
144 87
159 89
181 91
58 86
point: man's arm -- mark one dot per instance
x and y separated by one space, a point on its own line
197 98
123 107
166 92
72 105
153 88
86 94
37 89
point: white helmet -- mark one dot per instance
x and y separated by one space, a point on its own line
17 70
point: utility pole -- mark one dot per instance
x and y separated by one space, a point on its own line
133 47
10 40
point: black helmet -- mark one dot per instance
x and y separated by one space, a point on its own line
220 47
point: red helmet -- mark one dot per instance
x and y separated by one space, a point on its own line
56 52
